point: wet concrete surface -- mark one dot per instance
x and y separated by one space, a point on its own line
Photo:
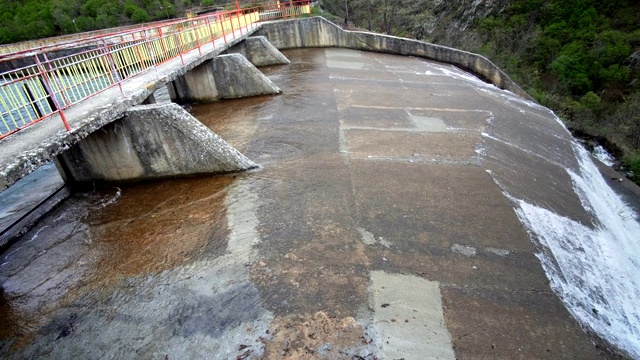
17 201
21 199
358 178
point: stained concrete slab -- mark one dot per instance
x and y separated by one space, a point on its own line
473 120
409 317
457 205
411 146
428 124
477 319
351 65
382 76
517 272
391 118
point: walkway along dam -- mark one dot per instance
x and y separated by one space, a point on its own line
403 200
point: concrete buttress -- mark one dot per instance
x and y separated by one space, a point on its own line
223 77
259 51
151 141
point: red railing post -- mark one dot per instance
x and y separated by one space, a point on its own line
197 33
233 31
151 55
62 93
112 64
137 46
181 43
209 28
224 35
164 47
50 92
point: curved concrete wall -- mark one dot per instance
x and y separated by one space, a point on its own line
319 32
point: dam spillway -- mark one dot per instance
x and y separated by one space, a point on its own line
378 173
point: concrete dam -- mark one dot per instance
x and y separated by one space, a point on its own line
405 200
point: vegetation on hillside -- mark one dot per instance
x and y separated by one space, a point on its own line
579 57
33 19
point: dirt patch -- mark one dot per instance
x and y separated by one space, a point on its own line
316 336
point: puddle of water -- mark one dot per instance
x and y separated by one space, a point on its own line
92 243
153 227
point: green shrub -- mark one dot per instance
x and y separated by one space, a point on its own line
140 15
632 164
590 101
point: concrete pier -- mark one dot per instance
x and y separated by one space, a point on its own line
259 51
30 148
223 77
151 141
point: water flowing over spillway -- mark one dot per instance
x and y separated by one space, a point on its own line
593 265
596 271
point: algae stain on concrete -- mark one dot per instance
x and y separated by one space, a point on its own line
369 239
464 250
496 251
366 236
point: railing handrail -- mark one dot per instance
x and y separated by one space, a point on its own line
86 41
47 87
91 40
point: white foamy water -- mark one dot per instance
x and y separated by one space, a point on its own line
601 154
596 272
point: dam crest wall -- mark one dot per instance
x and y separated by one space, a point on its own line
319 32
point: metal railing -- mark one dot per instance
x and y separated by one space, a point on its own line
47 87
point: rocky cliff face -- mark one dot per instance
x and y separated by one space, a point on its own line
445 22
450 21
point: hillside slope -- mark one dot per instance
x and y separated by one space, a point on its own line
33 19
